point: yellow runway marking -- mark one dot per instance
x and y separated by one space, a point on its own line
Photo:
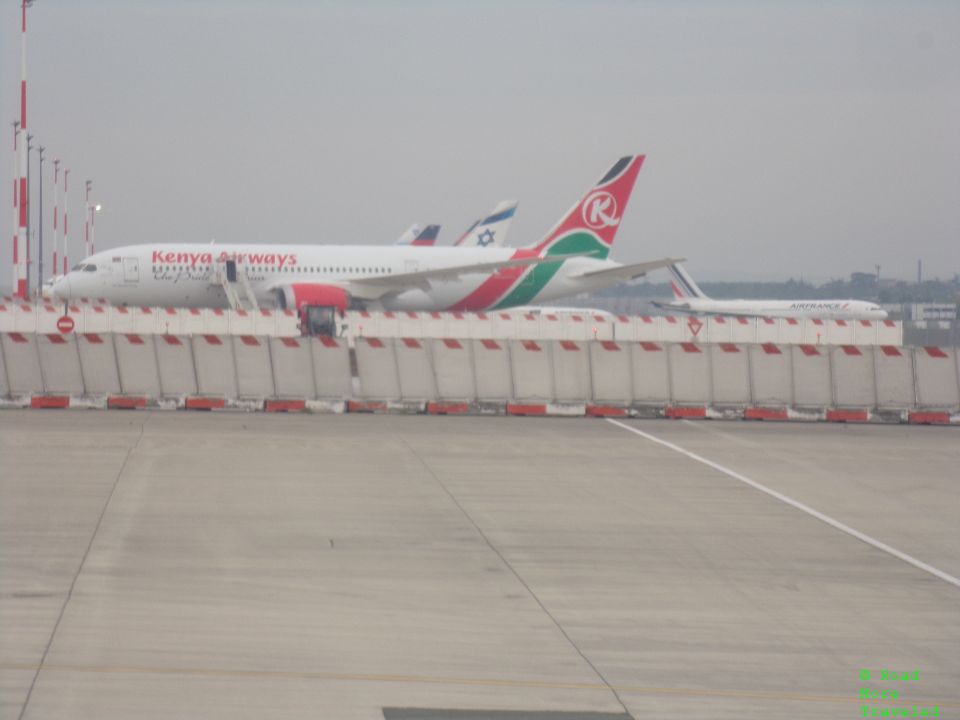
435 680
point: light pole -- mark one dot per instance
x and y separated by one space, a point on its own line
56 214
87 247
16 204
40 233
25 201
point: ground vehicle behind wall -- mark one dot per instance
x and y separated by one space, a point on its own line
319 320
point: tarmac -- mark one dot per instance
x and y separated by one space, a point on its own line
232 565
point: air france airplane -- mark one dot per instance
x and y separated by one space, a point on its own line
572 258
689 298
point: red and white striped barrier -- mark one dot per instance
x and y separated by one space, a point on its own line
492 370
291 360
532 371
377 369
854 383
769 382
651 373
610 374
453 368
729 374
571 370
689 373
415 369
254 366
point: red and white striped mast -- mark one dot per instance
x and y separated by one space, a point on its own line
56 232
16 196
20 247
87 248
66 228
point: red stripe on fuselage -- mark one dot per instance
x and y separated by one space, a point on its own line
492 290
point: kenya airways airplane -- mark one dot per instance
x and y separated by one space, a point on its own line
570 259
689 298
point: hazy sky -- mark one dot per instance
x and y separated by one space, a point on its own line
783 138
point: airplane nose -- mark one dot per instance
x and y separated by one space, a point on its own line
61 288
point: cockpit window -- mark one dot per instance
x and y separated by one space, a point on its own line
90 267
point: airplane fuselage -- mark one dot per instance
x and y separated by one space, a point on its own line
828 309
183 275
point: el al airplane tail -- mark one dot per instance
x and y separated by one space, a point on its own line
591 225
683 285
490 231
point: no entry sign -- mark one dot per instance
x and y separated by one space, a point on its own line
65 324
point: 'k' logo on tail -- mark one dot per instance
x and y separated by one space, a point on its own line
591 225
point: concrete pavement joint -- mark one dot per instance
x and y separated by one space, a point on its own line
516 574
83 560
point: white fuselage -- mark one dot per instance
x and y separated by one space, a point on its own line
183 275
830 309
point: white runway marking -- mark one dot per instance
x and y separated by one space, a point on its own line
797 504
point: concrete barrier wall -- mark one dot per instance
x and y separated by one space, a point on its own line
643 373
544 324
493 376
251 356
531 366
60 364
853 377
689 373
177 371
743 330
137 364
23 363
716 330
4 383
216 366
812 384
651 373
730 374
377 369
292 362
610 367
771 375
936 377
571 369
332 375
840 332
415 369
453 368
98 363
790 332
894 377
90 319
767 330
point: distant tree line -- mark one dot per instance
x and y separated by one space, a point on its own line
861 287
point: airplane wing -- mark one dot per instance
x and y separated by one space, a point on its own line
372 288
628 272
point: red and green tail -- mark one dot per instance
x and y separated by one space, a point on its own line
591 225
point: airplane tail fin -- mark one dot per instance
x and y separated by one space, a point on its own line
427 236
682 284
591 225
408 235
491 230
